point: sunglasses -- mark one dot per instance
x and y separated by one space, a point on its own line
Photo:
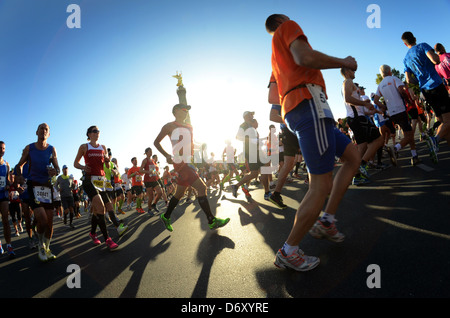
95 131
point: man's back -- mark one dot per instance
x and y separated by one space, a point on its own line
388 88
417 62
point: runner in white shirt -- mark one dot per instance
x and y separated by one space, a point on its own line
127 186
392 89
367 135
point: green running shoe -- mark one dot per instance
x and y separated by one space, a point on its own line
166 223
216 223
122 229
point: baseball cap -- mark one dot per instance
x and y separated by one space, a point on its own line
180 106
248 113
64 167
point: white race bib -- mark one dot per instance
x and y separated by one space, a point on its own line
108 186
98 182
15 195
2 182
42 194
320 101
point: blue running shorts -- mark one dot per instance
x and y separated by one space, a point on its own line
319 139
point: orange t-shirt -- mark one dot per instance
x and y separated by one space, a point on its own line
137 179
286 73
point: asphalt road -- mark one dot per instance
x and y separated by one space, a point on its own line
399 222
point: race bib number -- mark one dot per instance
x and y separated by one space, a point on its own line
15 195
138 178
42 194
98 182
153 172
320 101
108 186
2 182
117 186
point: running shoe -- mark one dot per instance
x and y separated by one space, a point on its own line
166 222
329 232
267 195
246 192
277 200
434 148
297 261
150 212
234 190
392 154
41 254
140 210
122 229
155 208
360 180
50 255
94 239
111 245
216 223
11 252
363 169
415 160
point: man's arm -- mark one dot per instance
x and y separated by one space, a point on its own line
275 116
274 97
142 169
55 170
408 77
433 57
376 100
305 56
22 161
165 130
402 91
349 99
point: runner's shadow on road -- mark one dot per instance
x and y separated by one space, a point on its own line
209 248
138 268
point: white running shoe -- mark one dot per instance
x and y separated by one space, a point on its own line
320 231
297 261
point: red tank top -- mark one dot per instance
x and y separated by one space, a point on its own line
94 158
153 167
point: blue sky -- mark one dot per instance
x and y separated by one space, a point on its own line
116 70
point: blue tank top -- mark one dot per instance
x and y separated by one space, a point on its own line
3 172
39 159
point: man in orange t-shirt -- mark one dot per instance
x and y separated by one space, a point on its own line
136 184
302 96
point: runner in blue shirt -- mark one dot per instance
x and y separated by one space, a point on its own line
4 201
43 164
420 61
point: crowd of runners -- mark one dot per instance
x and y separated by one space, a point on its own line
35 191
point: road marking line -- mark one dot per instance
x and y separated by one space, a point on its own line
424 167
